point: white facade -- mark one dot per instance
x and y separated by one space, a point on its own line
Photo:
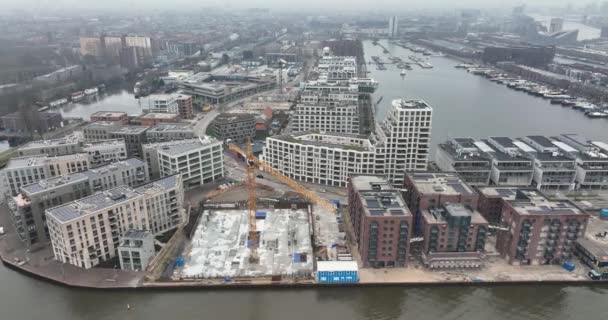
162 103
54 147
105 151
393 26
87 231
334 68
136 250
340 119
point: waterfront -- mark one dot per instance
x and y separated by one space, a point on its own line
120 100
466 105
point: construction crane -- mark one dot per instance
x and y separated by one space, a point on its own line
254 238
282 63
303 191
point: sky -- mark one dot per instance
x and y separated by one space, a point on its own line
376 5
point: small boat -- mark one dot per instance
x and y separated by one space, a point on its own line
58 103
77 96
91 91
402 73
596 114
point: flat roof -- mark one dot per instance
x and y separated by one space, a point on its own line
185 146
302 138
130 130
531 202
337 266
440 214
114 166
52 183
445 183
598 249
71 139
160 184
169 127
38 160
507 193
92 204
542 141
234 117
137 234
378 196
102 124
160 115
411 104
103 143
109 114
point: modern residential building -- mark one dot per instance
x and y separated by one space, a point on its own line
403 139
184 106
162 103
553 170
540 231
169 132
461 155
238 127
152 119
111 116
591 160
339 119
393 27
103 152
510 167
44 122
29 205
492 201
54 147
198 160
100 130
454 236
22 171
333 68
134 137
381 222
87 231
430 190
136 250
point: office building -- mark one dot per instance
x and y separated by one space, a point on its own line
540 231
238 127
393 27
162 103
43 122
100 130
134 137
112 116
22 171
381 221
461 155
169 132
184 106
87 231
136 250
199 161
218 88
429 190
454 236
403 139
104 152
54 147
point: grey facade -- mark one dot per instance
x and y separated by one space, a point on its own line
237 127
462 156
100 130
169 132
134 137
104 152
54 147
136 250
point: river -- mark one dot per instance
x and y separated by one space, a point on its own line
119 100
465 105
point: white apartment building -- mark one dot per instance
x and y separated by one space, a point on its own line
27 170
199 161
339 119
87 231
400 143
162 103
53 147
393 27
136 250
105 151
333 68
403 139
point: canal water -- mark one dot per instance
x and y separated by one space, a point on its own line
119 100
465 105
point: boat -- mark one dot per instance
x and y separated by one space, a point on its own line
91 91
402 73
58 103
596 114
43 109
77 96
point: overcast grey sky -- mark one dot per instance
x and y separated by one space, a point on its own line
379 5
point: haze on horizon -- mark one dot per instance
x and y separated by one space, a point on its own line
40 6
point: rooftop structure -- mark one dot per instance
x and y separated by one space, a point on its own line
217 88
54 147
100 130
111 116
169 132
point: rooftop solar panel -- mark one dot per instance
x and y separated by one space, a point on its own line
397 212
376 212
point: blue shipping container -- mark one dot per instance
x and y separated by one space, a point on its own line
337 277
296 257
179 262
604 214
569 265
336 203
260 215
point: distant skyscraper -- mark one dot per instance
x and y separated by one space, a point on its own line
393 26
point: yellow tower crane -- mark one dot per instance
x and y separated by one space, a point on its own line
254 238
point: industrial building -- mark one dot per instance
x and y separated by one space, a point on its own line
222 88
534 56
593 254
430 190
27 170
219 248
87 231
199 161
104 152
136 250
169 132
539 230
381 222
454 236
134 137
111 116
237 127
54 147
100 130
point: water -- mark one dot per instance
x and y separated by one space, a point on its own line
466 105
120 100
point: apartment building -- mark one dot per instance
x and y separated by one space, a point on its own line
339 119
110 116
510 167
87 231
403 139
238 127
27 170
199 161
136 250
54 147
100 130
430 190
184 106
454 236
492 201
169 132
591 160
162 103
134 137
553 169
461 155
540 231
152 119
333 68
381 222
29 205
104 152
